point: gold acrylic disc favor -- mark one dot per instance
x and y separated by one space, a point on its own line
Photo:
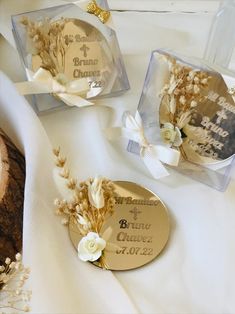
82 52
140 227
198 102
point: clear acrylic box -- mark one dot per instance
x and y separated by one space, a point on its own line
215 173
90 49
221 42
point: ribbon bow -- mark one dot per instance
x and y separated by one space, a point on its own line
152 155
102 14
42 82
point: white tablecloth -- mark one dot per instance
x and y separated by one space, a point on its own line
195 274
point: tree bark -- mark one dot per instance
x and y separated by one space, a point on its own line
12 181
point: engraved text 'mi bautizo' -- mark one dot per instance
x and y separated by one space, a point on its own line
133 201
81 39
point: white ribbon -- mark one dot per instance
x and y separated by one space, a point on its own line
42 82
152 155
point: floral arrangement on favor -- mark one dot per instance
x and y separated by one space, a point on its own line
180 97
13 276
90 207
46 40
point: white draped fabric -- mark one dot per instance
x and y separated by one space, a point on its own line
195 274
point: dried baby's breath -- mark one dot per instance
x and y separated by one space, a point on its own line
183 92
45 39
81 210
181 96
13 276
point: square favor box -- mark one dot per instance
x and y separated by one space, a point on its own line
189 106
71 44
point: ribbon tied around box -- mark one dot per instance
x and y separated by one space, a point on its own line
153 156
42 82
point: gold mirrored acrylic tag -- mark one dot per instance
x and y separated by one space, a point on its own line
199 105
140 228
80 52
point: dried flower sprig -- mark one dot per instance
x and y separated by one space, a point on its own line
185 90
13 276
45 39
91 205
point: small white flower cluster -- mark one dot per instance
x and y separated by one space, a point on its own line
91 246
171 134
181 96
13 276
91 205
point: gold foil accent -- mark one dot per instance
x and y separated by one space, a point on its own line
93 8
140 228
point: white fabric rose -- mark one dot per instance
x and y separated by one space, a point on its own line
90 247
95 193
171 135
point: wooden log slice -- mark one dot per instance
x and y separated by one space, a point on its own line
12 181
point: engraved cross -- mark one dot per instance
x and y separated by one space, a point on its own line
135 211
84 48
221 115
212 96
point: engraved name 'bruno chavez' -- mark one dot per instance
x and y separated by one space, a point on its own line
126 237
